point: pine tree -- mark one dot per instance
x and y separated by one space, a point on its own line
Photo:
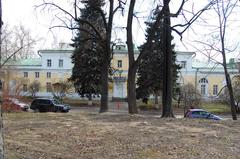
87 59
150 72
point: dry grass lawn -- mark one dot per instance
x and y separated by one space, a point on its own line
114 136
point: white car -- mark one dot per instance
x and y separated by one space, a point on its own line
22 105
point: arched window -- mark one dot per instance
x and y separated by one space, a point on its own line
203 80
203 86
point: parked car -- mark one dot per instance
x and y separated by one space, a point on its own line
23 106
14 104
200 113
48 105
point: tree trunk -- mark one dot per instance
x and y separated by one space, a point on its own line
104 89
222 32
232 102
167 73
131 90
1 117
155 98
131 84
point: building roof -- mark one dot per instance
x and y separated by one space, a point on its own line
196 63
25 62
209 66
185 52
69 50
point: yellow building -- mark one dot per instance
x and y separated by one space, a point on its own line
55 65
207 77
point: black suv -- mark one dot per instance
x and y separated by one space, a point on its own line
48 105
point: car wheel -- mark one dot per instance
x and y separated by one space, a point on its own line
36 110
57 110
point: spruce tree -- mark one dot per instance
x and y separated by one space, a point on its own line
87 56
150 72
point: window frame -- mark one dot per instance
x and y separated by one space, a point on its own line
49 75
49 63
215 89
119 63
37 75
60 63
25 74
203 89
183 64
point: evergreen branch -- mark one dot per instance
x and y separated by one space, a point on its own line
99 10
156 24
91 26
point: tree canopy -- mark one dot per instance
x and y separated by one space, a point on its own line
150 71
87 56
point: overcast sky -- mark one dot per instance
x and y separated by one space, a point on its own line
23 12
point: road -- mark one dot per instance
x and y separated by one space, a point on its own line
122 108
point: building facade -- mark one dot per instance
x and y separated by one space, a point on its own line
55 65
207 77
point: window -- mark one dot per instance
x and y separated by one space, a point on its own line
203 80
215 89
196 113
37 74
183 64
49 62
60 63
48 74
203 113
119 64
49 87
44 102
24 88
25 74
203 89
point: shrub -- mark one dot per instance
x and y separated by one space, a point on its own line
8 108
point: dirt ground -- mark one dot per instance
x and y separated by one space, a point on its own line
114 136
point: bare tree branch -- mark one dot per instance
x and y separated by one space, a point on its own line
193 19
14 53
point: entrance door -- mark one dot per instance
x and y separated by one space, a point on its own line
118 90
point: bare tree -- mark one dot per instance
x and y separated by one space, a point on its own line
34 88
190 97
225 96
14 38
10 48
1 117
163 15
61 89
218 43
